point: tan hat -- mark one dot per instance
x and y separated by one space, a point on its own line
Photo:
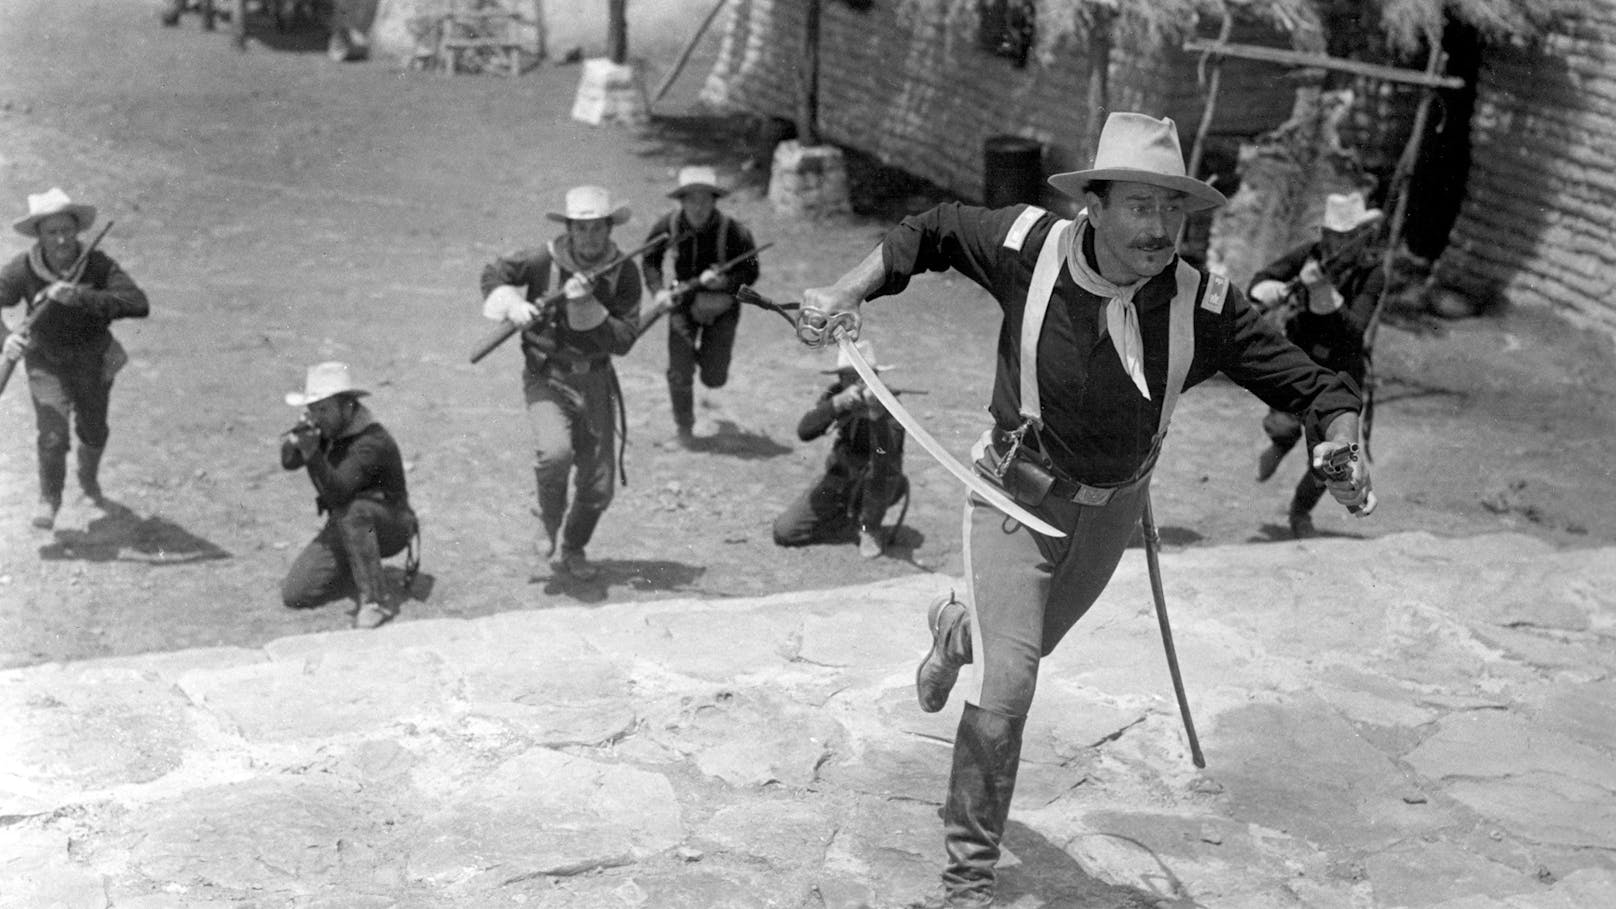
1136 148
590 203
697 177
52 202
323 381
1346 212
844 362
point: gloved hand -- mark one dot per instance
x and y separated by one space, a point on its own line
506 302
662 300
1268 293
16 344
577 288
1353 487
64 293
711 280
1322 297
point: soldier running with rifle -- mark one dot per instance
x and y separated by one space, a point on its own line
713 255
1322 295
574 403
73 292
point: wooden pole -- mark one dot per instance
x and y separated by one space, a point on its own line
808 77
1213 84
617 31
1099 93
1434 64
684 55
1324 61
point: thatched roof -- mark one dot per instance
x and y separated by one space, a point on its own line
1404 23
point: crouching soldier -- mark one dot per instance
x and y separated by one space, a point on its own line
863 473
358 477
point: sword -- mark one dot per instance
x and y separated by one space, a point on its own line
844 339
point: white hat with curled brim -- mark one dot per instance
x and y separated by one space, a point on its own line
324 380
697 177
1346 212
590 203
1137 148
52 202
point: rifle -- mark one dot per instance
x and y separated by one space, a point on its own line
9 364
682 288
549 300
1290 299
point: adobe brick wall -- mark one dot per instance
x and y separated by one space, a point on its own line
1539 218
905 81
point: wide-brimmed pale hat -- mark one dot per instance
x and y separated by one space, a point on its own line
844 362
697 176
323 381
52 202
590 203
1346 212
1136 148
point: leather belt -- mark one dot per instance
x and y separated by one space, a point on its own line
1077 492
559 366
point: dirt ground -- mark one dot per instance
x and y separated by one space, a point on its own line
281 209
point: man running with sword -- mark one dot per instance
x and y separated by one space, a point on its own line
1103 327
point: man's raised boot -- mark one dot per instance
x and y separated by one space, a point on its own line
950 650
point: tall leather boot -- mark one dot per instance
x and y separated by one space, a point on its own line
683 401
987 752
89 471
365 564
1308 492
52 477
552 508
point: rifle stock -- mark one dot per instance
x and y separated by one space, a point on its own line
9 365
503 333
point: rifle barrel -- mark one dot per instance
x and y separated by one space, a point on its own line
503 333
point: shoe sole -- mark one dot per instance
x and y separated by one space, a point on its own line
945 673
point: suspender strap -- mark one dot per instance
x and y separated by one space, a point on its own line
1180 341
1041 288
1180 332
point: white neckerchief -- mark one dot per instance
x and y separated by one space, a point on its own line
1121 316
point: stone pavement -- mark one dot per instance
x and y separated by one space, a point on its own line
1405 721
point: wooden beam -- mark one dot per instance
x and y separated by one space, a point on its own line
1321 61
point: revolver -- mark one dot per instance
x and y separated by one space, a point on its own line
1338 466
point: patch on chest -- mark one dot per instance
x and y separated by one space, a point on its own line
1217 288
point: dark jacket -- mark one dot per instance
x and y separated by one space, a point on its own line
694 250
619 291
363 464
105 293
861 440
1334 340
1097 427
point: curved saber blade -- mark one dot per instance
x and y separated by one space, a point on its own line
972 482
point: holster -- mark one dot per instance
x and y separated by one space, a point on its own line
1023 479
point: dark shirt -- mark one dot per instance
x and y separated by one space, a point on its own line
1334 340
695 249
1097 427
860 437
361 465
619 291
106 292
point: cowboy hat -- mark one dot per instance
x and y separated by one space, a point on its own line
1346 212
697 177
323 381
845 363
52 202
1136 148
590 203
